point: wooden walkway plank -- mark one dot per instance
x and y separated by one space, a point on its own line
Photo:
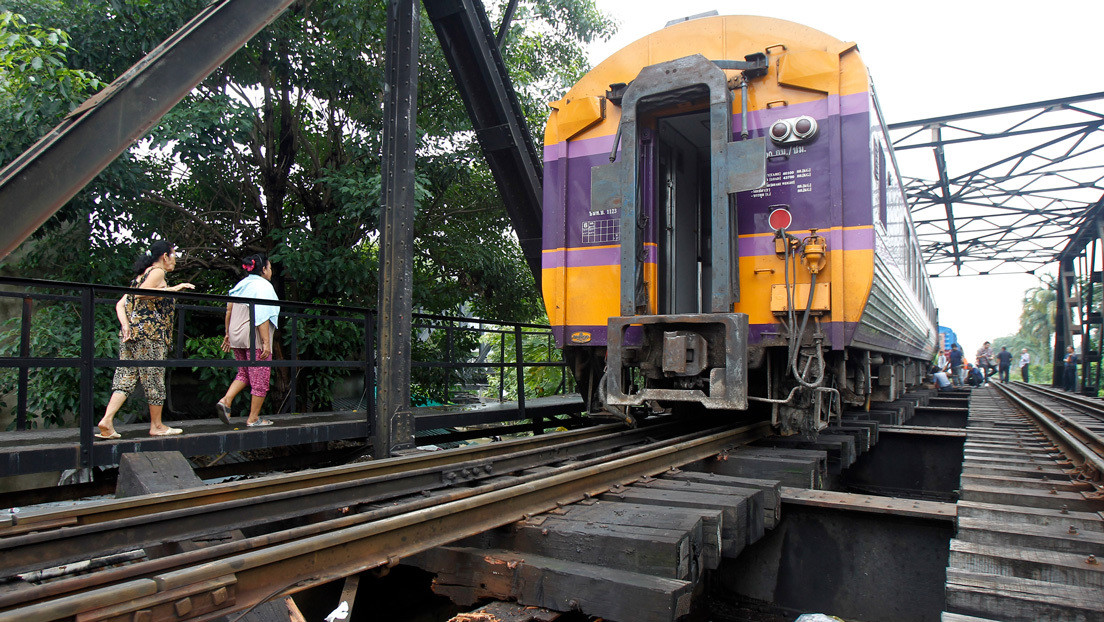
1052 537
1037 564
1028 541
1021 600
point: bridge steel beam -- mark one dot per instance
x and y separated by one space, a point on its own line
1077 270
53 170
394 424
473 55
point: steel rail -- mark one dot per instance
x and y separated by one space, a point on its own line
118 526
58 588
1094 405
1085 406
1083 447
207 584
114 509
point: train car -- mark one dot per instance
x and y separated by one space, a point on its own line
725 225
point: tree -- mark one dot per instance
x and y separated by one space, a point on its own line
1040 304
278 151
37 86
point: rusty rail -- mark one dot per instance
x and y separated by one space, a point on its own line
1081 445
48 539
213 582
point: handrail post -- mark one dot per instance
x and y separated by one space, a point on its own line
501 367
87 377
180 334
520 367
293 375
370 368
24 368
448 358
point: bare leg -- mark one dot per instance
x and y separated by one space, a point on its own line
232 392
255 408
156 427
107 424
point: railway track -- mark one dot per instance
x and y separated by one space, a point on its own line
1074 423
362 517
1029 523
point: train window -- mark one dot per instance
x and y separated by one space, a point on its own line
883 185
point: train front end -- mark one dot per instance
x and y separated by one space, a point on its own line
714 197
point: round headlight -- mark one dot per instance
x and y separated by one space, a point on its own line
780 131
805 127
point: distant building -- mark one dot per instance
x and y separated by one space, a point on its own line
947 338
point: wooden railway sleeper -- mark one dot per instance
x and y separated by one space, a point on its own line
298 563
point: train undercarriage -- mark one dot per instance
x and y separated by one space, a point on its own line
664 367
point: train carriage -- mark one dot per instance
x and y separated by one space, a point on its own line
724 224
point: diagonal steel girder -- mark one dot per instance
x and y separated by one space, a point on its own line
53 170
1009 183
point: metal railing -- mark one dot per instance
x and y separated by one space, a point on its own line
467 344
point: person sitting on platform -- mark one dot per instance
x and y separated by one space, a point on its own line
939 377
974 377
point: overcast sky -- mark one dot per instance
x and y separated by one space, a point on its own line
931 59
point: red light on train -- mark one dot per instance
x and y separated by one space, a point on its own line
780 219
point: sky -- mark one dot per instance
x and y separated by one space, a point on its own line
932 59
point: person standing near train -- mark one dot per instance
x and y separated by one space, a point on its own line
956 364
984 360
1025 364
1004 363
1069 370
942 363
256 284
146 321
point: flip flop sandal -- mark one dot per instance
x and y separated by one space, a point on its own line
258 423
108 437
168 432
223 412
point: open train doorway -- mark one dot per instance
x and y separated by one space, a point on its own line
683 213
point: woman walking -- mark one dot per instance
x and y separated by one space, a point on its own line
256 284
146 321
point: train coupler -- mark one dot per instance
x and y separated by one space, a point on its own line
699 358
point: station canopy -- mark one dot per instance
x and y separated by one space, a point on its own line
1001 191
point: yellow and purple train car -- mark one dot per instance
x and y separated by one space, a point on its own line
724 223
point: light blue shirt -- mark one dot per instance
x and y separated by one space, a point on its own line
254 286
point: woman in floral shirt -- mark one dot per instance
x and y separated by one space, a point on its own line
146 329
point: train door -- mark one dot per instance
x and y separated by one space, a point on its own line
682 189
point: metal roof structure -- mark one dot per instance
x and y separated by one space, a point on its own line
1001 191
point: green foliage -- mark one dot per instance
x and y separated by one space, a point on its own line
37 85
1036 331
536 347
53 395
434 342
213 380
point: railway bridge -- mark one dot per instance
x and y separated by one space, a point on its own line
465 480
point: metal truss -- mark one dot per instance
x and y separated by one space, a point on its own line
1002 190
